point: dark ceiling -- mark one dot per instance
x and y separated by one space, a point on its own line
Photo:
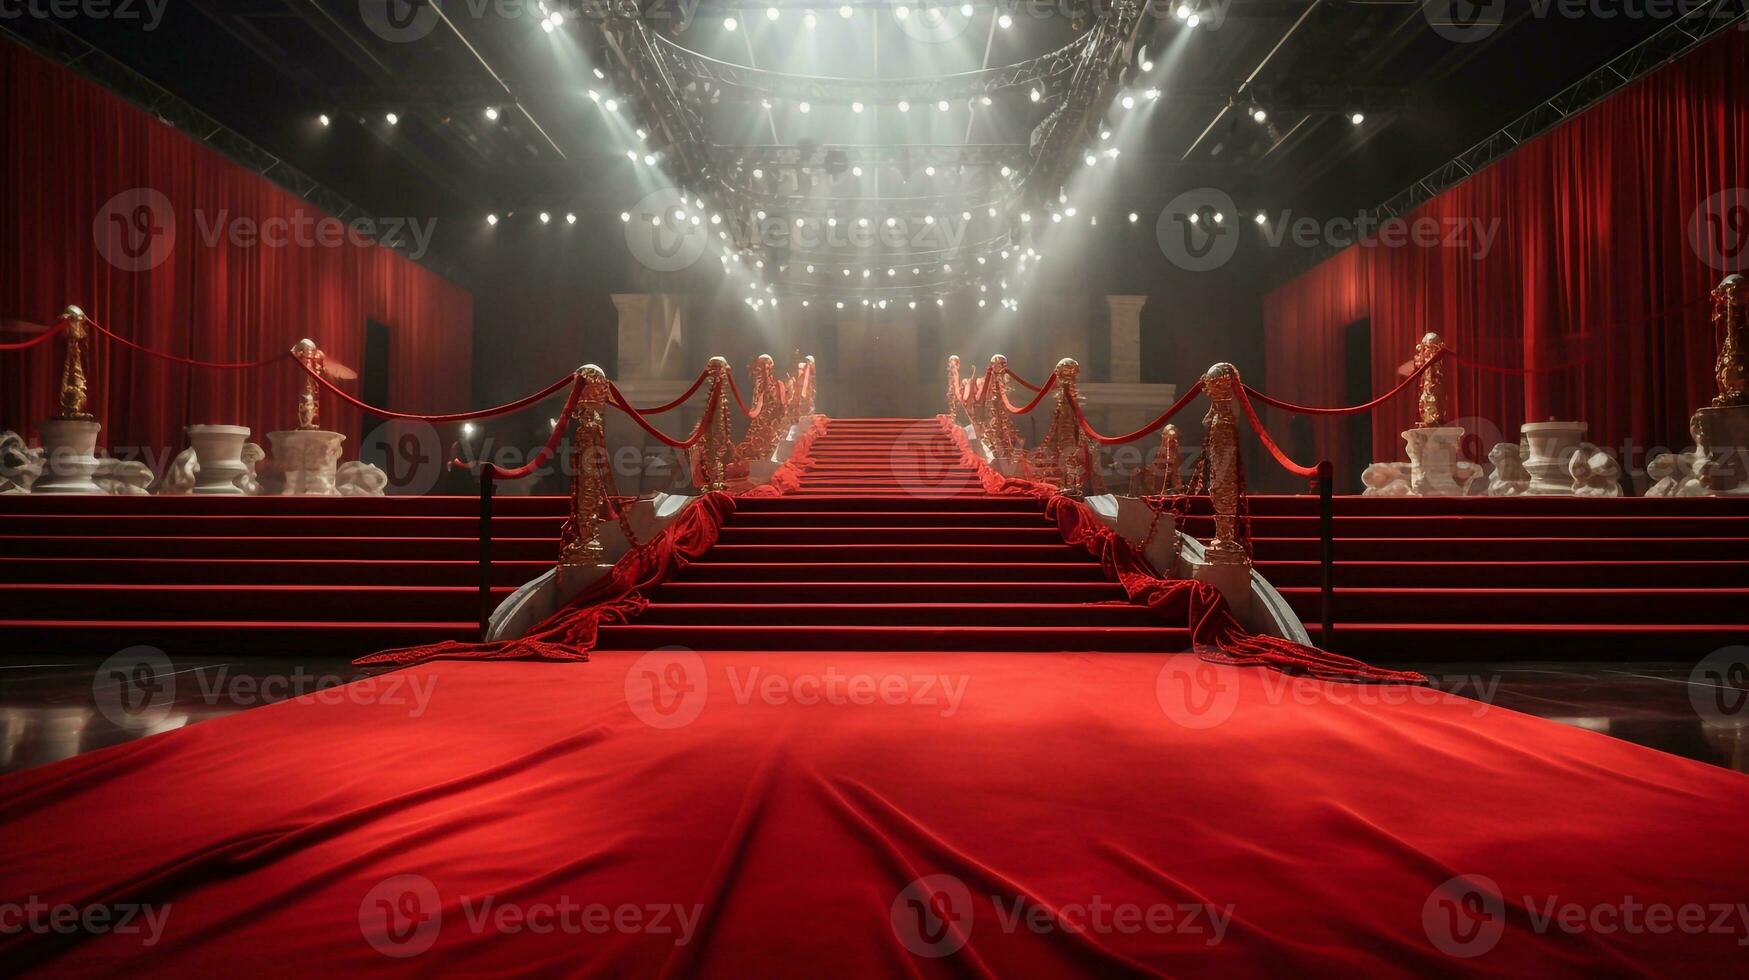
269 68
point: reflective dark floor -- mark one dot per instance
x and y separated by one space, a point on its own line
52 710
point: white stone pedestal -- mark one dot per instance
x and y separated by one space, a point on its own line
1722 439
218 456
69 456
1551 449
309 460
1434 467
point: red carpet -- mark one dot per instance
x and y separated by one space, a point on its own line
986 805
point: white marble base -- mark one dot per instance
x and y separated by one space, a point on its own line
1722 438
218 455
1434 467
69 456
1552 445
308 459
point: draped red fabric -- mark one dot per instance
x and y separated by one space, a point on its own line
569 633
1305 321
1591 261
200 286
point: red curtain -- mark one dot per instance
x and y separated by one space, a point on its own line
1304 361
67 149
1591 266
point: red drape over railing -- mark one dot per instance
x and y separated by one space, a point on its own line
67 149
1591 265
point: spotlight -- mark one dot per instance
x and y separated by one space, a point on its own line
1068 212
649 159
946 268
394 120
643 134
965 10
892 221
594 96
324 120
492 219
1056 218
1153 94
1129 102
856 107
729 24
892 272
804 304
771 13
902 12
862 222
810 270
984 100
1193 20
803 107
965 215
940 302
1220 218
1183 12
599 74
611 105
1357 118
1105 134
798 222
841 304
467 430
716 219
1147 66
655 221
1026 217
1091 159
1259 114
856 171
1005 22
929 171
1261 218
991 212
545 218
942 105
624 216
1035 95
912 304
758 174
1134 217
845 11
904 106
808 22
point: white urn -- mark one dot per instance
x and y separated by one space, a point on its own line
218 455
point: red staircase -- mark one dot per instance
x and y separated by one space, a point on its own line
1471 578
891 544
234 575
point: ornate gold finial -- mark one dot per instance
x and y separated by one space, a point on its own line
1221 384
1433 401
716 442
1170 460
1732 318
580 539
308 404
74 390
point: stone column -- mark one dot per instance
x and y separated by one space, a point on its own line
638 354
1126 338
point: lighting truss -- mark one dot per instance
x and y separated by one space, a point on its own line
1047 70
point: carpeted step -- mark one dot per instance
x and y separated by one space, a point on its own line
1443 641
1275 505
297 637
793 504
962 639
1534 605
826 535
263 571
158 602
1496 549
887 518
962 591
1523 574
1520 527
273 525
898 614
227 505
395 549
804 554
728 570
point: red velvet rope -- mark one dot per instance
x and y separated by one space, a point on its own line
483 413
44 337
740 402
190 361
1049 386
1029 386
1351 409
1149 429
676 403
539 459
1263 436
618 401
